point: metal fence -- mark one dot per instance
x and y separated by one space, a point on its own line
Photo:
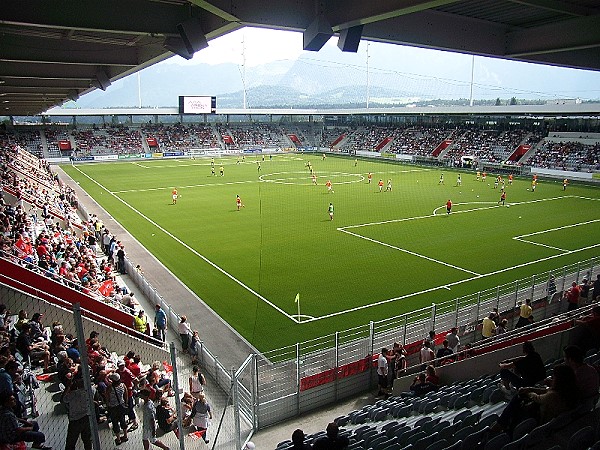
297 379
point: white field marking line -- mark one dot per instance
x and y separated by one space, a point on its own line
306 176
182 187
465 203
409 252
457 212
447 286
140 165
227 274
456 283
520 238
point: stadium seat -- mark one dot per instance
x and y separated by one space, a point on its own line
422 421
523 428
424 442
516 444
497 396
415 437
470 420
487 392
497 442
488 420
461 434
461 416
582 439
476 440
440 444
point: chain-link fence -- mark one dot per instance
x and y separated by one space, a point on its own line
267 388
300 378
48 395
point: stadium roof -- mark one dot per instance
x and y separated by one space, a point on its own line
55 51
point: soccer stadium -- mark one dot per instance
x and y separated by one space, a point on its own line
371 278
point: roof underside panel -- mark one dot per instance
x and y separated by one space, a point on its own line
53 51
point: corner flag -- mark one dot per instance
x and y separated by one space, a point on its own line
297 301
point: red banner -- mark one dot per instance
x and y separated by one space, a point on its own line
64 145
329 376
152 142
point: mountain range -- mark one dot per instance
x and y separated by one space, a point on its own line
323 79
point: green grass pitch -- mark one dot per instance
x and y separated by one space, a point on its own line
374 260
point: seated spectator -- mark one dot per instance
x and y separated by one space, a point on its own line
332 441
22 319
166 417
38 331
588 381
298 441
35 352
541 403
419 387
431 376
502 327
14 429
528 369
7 375
4 313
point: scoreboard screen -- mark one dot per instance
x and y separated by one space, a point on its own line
196 104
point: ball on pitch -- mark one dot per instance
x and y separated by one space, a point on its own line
519 217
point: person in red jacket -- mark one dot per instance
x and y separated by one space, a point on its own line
449 206
572 296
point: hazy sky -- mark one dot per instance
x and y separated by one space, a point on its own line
263 45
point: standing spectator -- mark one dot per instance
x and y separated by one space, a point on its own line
201 414
149 423
79 422
584 291
453 339
528 369
444 352
400 362
332 441
425 355
572 296
129 380
431 339
596 294
116 400
197 382
525 312
382 372
184 332
140 323
488 326
13 429
194 347
121 259
160 322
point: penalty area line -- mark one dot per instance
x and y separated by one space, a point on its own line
204 258
409 252
449 285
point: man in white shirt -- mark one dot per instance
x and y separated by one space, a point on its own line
382 372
